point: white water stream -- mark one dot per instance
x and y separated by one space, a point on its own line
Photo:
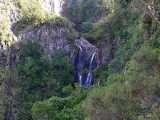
90 76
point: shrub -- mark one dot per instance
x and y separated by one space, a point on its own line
40 77
5 35
81 12
34 10
59 108
130 94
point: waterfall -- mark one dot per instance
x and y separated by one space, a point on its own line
90 74
82 62
80 48
80 80
80 69
57 6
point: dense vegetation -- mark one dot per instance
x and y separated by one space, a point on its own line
126 88
41 77
130 83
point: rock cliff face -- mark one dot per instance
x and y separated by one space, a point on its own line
8 15
50 36
53 37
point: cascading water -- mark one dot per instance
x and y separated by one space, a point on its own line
57 6
80 67
82 63
90 74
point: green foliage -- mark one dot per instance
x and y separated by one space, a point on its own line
129 96
99 7
128 47
32 9
56 21
132 77
57 108
41 77
3 74
6 8
5 35
123 30
62 72
131 81
101 74
117 25
34 15
81 12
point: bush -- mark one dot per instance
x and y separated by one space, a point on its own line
34 10
57 108
41 77
129 95
5 35
81 12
